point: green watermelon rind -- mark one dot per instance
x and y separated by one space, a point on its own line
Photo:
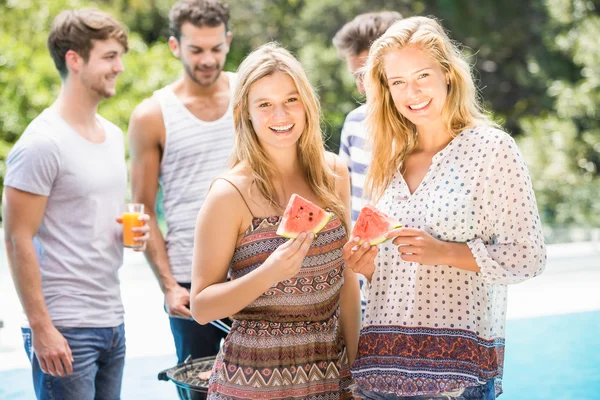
392 224
317 229
381 239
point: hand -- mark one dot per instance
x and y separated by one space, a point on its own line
177 302
360 259
416 245
53 351
142 231
286 261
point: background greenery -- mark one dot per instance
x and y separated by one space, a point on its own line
538 65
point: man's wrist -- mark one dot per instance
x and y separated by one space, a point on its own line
169 284
40 323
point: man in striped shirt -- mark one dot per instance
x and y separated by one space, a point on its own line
352 42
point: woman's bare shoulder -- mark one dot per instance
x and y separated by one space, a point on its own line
236 177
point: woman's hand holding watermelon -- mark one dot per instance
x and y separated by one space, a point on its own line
360 259
286 261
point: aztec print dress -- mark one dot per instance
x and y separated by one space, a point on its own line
287 343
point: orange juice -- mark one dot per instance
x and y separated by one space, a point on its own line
131 220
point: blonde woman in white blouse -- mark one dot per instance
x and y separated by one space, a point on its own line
436 310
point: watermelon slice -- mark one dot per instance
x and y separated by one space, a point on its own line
372 225
302 216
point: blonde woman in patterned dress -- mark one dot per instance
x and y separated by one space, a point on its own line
294 306
436 310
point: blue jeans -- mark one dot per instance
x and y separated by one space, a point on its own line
99 355
482 392
195 340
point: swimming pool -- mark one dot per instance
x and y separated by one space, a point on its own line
553 358
552 332
547 358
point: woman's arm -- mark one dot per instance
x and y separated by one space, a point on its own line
416 245
517 251
219 224
350 312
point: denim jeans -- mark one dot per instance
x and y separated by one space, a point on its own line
99 355
195 340
482 392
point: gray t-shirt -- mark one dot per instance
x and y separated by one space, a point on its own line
78 244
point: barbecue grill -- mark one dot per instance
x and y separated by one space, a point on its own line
186 375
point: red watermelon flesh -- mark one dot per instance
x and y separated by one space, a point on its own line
302 216
372 225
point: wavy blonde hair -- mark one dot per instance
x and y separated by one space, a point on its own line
265 61
393 136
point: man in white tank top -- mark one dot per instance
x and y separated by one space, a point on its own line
181 138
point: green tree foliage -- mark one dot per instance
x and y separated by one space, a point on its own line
562 142
537 63
29 81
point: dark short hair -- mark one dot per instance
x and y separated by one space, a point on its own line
76 29
357 35
199 13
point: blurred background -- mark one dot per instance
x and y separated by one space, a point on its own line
538 68
537 62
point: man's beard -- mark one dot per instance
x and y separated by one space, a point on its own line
103 92
188 70
100 88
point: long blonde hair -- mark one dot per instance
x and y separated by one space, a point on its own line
393 136
265 61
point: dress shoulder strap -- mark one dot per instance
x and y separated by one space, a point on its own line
238 190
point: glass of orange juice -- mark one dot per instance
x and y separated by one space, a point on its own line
131 219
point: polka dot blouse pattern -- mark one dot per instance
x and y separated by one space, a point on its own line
430 329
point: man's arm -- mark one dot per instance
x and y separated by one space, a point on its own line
23 213
146 138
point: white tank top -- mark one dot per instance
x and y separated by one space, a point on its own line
195 153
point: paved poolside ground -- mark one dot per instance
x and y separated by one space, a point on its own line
552 333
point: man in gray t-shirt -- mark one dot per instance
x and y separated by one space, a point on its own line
65 185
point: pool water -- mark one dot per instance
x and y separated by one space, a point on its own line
547 358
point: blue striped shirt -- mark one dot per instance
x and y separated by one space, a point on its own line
353 153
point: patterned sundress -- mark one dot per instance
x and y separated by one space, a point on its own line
287 343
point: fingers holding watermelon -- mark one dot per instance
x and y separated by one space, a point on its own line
416 245
360 258
372 226
369 230
286 261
